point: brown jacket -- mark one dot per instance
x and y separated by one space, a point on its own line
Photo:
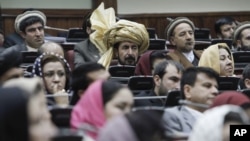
179 57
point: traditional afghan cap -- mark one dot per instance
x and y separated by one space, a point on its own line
108 32
211 58
20 18
171 26
239 29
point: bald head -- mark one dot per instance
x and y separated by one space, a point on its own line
52 47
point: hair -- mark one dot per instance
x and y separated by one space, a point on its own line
222 21
29 21
52 58
80 80
146 124
109 90
189 76
157 54
86 22
160 68
233 117
246 72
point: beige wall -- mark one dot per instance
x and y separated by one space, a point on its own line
48 4
181 6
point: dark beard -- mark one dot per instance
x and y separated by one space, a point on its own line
130 60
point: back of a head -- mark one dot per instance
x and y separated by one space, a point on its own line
146 124
13 115
52 47
189 76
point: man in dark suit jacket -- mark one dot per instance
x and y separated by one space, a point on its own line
180 33
199 85
167 75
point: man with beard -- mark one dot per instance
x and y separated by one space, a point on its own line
180 33
242 36
30 25
124 40
167 75
224 27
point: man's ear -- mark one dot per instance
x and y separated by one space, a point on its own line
247 83
157 80
187 91
22 34
172 40
238 43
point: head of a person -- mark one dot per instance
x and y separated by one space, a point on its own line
52 47
246 77
86 25
129 40
30 25
39 125
148 60
217 121
224 27
10 62
84 75
242 36
233 98
180 33
54 70
199 85
167 76
1 38
218 57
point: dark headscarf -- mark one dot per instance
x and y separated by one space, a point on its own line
13 115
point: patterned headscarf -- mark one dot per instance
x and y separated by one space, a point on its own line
37 67
108 32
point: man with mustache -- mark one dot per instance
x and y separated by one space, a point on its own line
180 33
30 25
124 40
242 36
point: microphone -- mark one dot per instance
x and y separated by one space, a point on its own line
54 28
187 102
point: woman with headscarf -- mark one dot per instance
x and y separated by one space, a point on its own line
109 34
214 124
24 114
100 102
218 57
55 73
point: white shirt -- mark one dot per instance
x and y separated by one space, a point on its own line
189 56
195 113
32 49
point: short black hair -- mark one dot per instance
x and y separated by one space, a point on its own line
86 22
29 21
222 21
189 76
80 81
160 69
246 72
157 54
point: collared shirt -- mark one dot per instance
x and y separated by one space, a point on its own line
189 56
195 113
32 49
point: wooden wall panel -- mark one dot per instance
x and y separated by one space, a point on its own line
62 18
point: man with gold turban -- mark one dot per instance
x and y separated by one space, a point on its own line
123 39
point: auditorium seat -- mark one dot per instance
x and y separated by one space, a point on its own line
140 83
228 83
60 116
173 98
157 44
241 59
121 71
69 56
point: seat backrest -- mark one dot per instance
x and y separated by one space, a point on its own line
61 116
152 33
246 92
122 71
229 42
29 57
241 58
68 138
140 83
202 34
76 35
173 98
69 56
228 83
157 44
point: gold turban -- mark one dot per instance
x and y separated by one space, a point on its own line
211 57
108 32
